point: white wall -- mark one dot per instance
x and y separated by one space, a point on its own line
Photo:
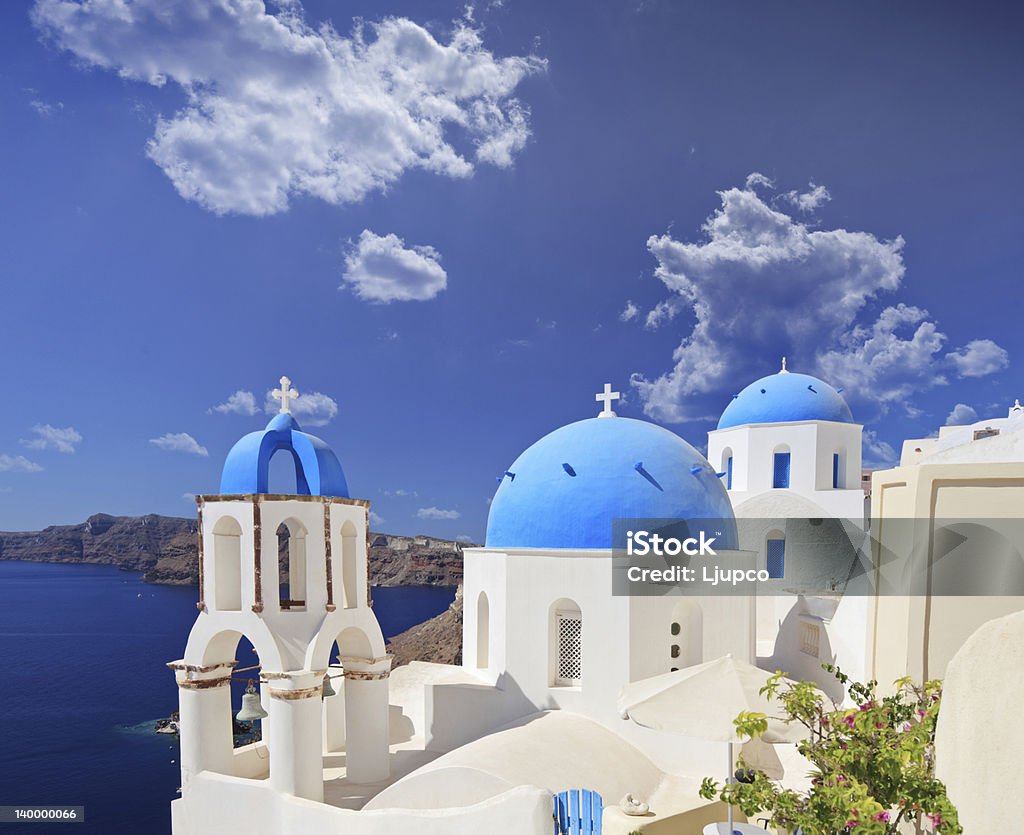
220 805
811 445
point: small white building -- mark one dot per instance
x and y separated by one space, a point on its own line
317 624
789 452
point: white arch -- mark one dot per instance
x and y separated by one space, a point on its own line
349 565
227 565
483 631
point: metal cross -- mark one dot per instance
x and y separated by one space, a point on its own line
608 397
285 394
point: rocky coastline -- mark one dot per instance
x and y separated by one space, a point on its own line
164 549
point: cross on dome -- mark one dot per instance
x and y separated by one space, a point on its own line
784 371
607 397
285 394
1016 408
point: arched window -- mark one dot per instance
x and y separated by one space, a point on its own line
291 556
727 467
565 642
780 467
483 631
227 565
283 473
349 573
775 554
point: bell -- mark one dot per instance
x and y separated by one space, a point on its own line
251 707
328 690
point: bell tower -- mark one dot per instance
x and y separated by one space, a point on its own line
287 571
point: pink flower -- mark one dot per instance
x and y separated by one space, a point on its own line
881 817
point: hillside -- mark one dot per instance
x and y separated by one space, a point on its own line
164 549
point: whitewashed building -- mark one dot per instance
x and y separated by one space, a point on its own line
789 452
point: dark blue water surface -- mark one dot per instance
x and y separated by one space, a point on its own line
83 650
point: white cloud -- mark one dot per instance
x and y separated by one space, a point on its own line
437 513
277 108
376 519
756 178
465 539
979 358
664 312
189 497
808 201
46 109
877 453
18 464
179 442
630 312
380 268
401 492
313 409
961 415
761 284
53 437
240 403
892 359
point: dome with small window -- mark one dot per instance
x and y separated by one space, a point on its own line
317 469
564 491
786 397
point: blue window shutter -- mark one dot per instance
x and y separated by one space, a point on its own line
776 558
781 473
728 474
835 470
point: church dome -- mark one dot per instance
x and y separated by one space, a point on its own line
565 490
317 469
783 398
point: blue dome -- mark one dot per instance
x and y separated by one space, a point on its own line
317 470
565 490
783 397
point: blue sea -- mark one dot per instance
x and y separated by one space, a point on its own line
83 650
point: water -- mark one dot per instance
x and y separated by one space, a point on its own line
83 650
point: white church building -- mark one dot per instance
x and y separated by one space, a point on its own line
350 746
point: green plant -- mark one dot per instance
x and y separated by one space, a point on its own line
874 763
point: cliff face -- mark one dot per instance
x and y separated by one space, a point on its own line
438 639
165 549
157 545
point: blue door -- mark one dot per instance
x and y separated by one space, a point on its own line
781 470
776 558
835 470
728 474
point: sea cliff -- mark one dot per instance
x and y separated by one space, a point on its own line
165 549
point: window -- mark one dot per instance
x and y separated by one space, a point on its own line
835 470
810 639
570 648
483 636
291 554
776 552
780 470
728 474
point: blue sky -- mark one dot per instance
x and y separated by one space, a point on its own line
455 228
